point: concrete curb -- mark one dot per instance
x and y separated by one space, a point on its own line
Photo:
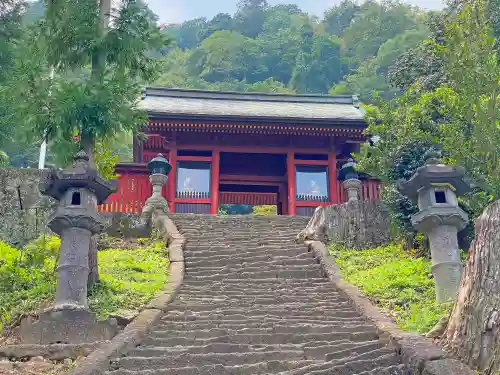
421 355
131 336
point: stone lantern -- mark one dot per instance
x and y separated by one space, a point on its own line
159 167
351 182
435 188
78 190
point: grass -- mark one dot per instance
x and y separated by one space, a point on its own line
129 279
399 283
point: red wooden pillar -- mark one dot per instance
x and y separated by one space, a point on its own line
332 178
291 184
172 179
214 188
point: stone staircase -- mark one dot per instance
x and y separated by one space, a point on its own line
254 302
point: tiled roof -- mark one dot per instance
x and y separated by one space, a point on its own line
174 102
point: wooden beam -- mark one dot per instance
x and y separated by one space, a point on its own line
251 178
194 158
193 200
214 190
311 162
291 184
254 150
172 179
333 184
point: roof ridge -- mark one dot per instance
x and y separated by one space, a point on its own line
250 96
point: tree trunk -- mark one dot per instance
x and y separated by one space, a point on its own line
473 332
87 139
93 266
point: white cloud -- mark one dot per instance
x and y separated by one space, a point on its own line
169 11
174 11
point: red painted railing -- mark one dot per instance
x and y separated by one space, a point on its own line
257 199
134 189
370 190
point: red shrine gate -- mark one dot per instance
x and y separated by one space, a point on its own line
228 148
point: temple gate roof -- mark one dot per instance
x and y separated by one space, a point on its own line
163 102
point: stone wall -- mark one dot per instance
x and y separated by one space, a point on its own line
23 210
354 225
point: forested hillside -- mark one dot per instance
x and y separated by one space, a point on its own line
352 50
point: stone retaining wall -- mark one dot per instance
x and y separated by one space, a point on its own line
354 225
23 210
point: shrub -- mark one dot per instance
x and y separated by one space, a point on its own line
129 278
399 283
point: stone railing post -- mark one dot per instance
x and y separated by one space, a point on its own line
350 181
160 168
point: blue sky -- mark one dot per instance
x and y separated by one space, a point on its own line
181 10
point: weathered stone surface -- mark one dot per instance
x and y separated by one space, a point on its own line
23 210
55 352
359 225
126 225
156 202
66 327
446 366
124 317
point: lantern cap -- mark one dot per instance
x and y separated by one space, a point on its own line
160 164
54 183
348 170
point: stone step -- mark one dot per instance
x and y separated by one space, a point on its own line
381 357
256 323
252 268
229 315
236 290
391 370
255 302
278 274
262 368
192 302
222 260
244 254
262 339
238 307
309 351
158 332
203 359
282 234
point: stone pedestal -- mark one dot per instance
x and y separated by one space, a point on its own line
441 225
156 201
66 327
353 189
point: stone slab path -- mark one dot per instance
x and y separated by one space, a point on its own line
254 302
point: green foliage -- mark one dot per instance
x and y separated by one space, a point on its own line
397 282
351 49
27 280
267 210
98 73
129 278
461 116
